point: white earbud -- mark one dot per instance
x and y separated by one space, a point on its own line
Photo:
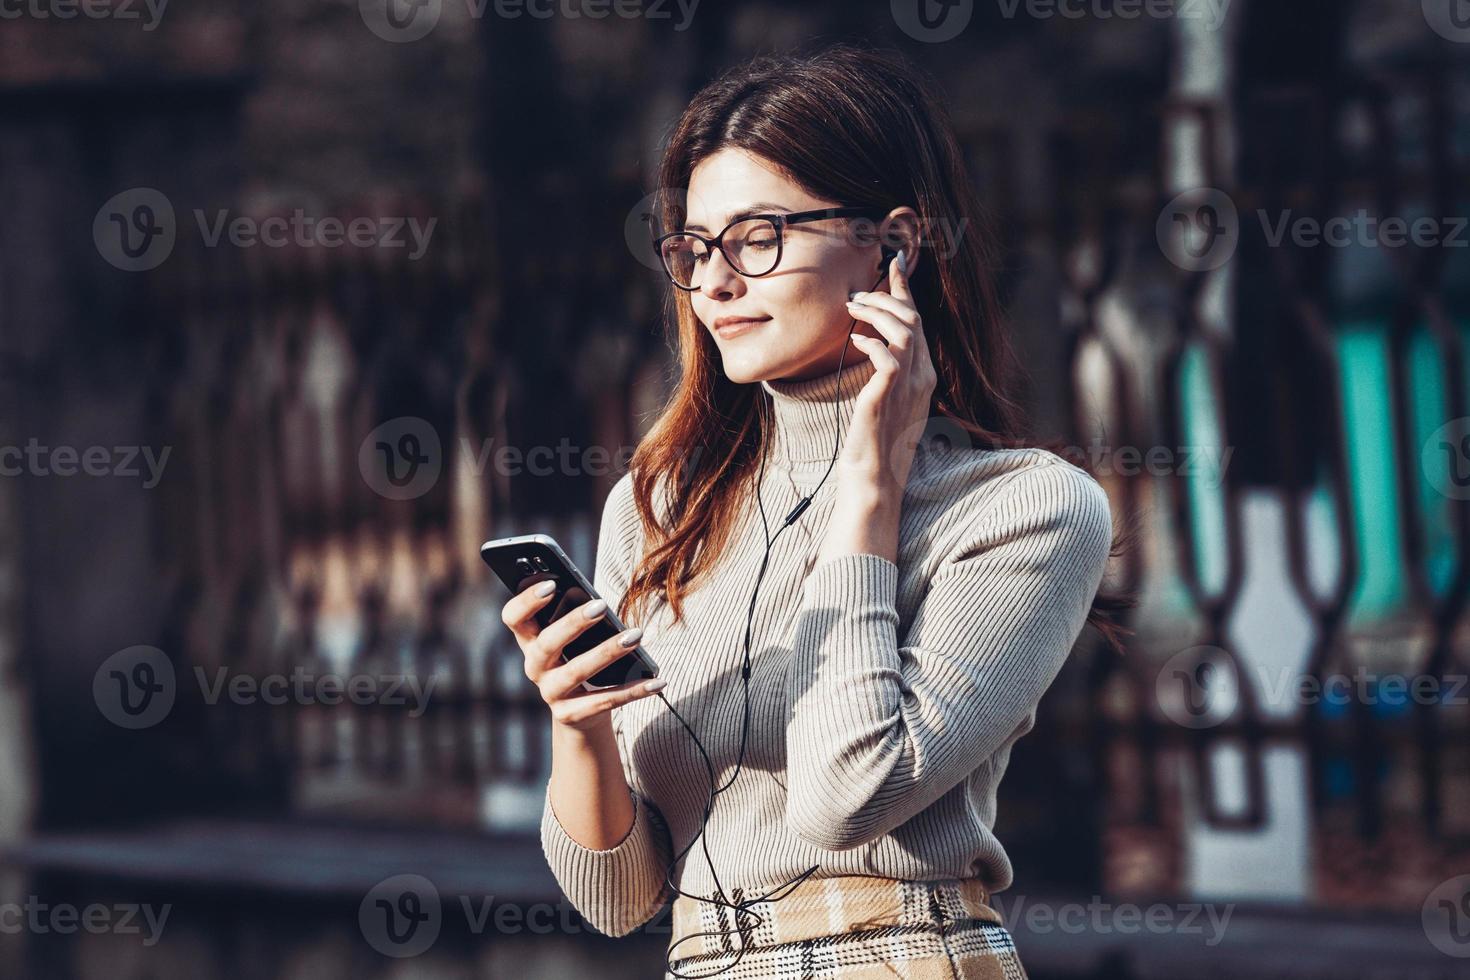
903 263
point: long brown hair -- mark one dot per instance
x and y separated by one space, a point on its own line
857 127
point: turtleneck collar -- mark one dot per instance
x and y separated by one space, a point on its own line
811 415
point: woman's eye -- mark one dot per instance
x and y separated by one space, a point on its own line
761 243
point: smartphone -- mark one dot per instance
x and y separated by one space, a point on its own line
523 561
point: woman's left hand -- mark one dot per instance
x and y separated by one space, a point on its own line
892 409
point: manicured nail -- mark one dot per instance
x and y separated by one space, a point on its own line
546 588
631 637
594 608
657 684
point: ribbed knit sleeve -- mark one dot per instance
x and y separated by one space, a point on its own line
618 889
881 727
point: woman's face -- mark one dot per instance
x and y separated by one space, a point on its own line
800 307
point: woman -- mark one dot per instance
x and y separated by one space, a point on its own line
917 604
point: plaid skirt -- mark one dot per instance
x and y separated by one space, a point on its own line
854 927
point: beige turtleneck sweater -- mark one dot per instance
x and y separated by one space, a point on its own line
884 698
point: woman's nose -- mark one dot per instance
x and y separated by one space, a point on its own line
720 280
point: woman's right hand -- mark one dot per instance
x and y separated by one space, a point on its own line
560 683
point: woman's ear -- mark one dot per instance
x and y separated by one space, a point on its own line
900 233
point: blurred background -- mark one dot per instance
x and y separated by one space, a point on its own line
301 301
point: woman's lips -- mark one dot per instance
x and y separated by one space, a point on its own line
737 327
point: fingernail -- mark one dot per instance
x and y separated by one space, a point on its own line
631 637
657 684
546 588
595 608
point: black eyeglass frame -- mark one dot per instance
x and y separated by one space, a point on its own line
779 220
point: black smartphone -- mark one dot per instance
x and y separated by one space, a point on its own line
521 562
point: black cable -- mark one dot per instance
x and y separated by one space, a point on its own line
741 908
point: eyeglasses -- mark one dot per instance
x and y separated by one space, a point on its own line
752 245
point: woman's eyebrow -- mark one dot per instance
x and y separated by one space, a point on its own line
758 207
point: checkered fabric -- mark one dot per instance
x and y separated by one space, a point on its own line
853 927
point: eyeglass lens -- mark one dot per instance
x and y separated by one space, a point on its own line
751 246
